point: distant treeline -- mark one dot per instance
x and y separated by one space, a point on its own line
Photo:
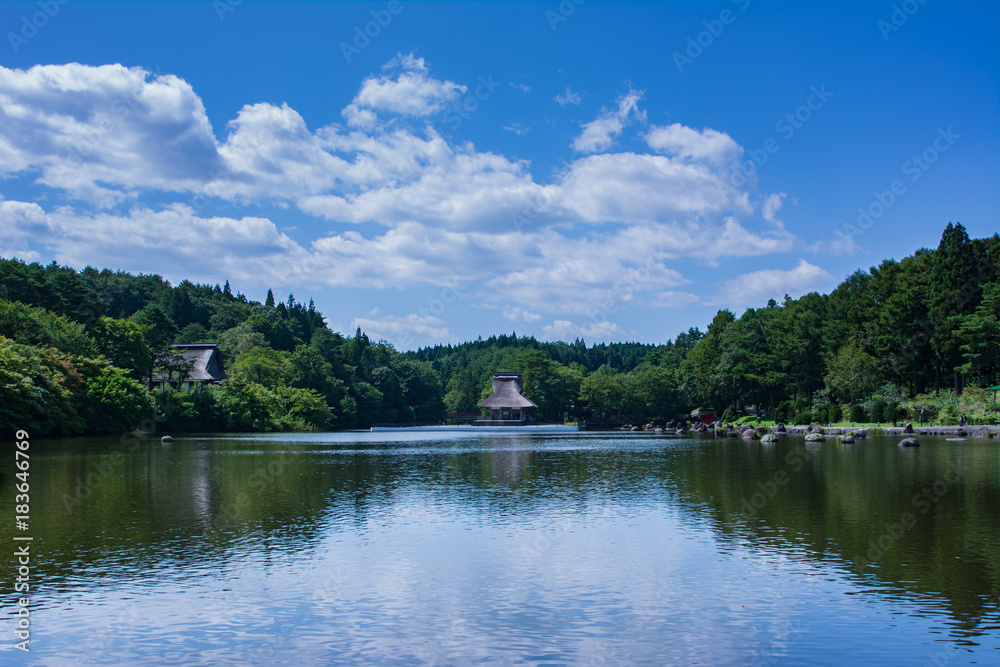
873 349
78 351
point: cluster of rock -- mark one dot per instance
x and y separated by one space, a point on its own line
812 433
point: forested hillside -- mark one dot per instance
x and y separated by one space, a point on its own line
900 336
78 351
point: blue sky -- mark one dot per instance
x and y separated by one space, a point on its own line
613 171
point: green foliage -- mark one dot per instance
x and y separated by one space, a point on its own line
304 409
123 343
48 392
39 390
367 402
802 418
975 403
857 413
979 338
248 407
275 330
878 409
37 326
157 326
116 402
194 333
263 366
187 412
852 373
899 329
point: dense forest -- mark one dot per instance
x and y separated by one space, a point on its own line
78 351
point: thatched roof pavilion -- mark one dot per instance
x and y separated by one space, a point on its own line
506 403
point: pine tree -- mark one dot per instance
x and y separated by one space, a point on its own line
269 302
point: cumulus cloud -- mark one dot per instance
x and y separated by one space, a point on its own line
568 97
601 133
686 143
772 205
754 288
841 244
407 90
673 299
606 229
407 332
626 187
87 128
518 314
176 240
565 330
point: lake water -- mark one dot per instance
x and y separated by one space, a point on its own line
507 549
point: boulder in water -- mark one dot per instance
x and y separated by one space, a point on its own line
909 442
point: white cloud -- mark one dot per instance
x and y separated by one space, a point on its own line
605 230
405 333
248 249
756 287
516 128
672 299
566 330
842 244
686 143
600 134
568 97
410 92
105 132
626 187
518 314
772 205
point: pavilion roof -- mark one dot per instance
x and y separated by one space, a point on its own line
506 393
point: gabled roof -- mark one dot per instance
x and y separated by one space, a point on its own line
506 393
204 360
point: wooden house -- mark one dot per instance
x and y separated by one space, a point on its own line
205 364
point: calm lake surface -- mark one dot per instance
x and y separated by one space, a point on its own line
453 549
